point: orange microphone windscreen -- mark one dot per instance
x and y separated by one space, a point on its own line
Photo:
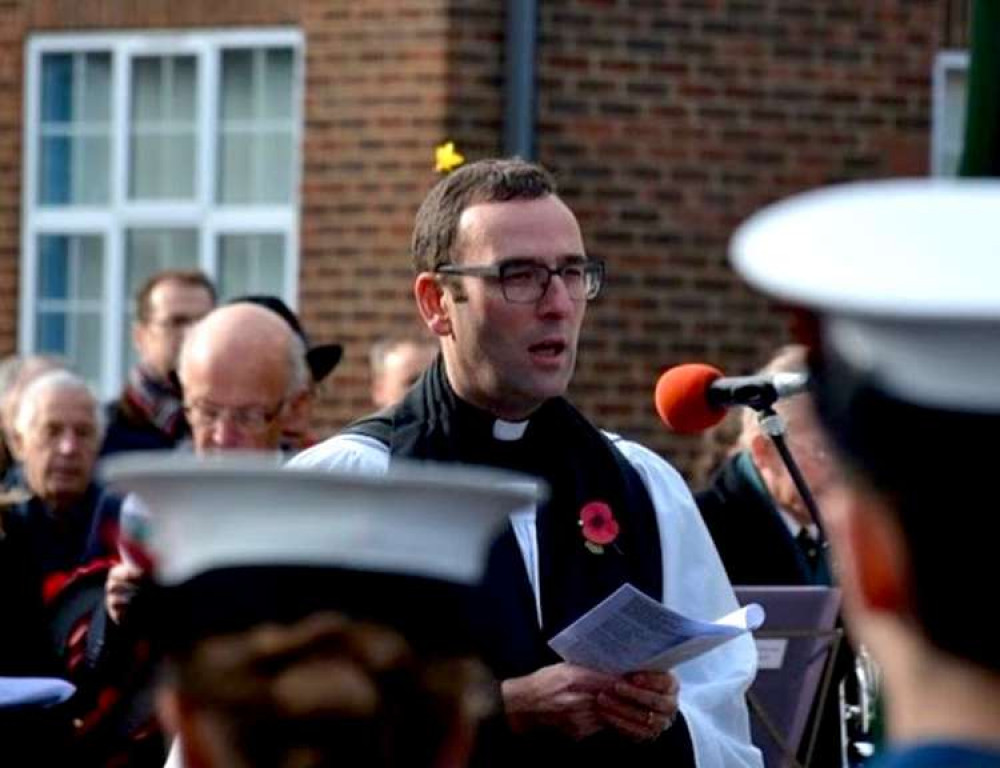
682 398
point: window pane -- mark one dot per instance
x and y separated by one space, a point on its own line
275 152
74 133
146 163
95 104
70 300
163 146
148 251
182 93
57 88
251 264
56 160
90 187
90 261
147 89
86 351
50 338
278 84
178 169
53 267
237 85
236 168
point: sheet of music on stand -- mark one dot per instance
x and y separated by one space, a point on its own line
795 661
629 630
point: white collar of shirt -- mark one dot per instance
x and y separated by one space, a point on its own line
509 431
795 527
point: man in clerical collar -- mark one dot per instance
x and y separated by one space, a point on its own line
503 281
896 285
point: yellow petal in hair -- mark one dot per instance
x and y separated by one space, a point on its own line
446 159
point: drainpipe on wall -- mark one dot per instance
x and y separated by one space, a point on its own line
521 51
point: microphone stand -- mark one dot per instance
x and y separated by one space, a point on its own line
774 426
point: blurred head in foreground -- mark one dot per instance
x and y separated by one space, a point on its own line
320 692
897 286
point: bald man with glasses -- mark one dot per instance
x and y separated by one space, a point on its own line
244 375
503 280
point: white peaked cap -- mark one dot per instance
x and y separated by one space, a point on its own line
230 511
906 274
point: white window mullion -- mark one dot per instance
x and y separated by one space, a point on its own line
29 198
112 372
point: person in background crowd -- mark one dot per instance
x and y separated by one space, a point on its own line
503 281
19 371
897 287
64 539
149 414
396 364
764 531
752 504
321 358
244 375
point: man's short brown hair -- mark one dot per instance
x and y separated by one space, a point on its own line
485 181
190 277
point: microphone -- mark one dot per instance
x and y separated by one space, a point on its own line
693 397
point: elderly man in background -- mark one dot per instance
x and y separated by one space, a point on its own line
149 414
244 374
321 359
58 545
16 374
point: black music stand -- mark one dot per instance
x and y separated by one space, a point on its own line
796 650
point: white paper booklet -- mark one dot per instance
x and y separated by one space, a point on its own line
629 631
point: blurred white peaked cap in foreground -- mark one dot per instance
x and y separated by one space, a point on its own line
905 275
229 511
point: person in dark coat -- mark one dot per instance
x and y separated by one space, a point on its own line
896 287
149 414
759 522
59 541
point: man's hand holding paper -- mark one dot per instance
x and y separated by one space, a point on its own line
630 631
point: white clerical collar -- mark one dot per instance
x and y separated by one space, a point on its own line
509 431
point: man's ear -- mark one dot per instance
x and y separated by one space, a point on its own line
432 303
16 442
138 335
872 554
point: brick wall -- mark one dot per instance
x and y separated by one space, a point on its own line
667 121
671 121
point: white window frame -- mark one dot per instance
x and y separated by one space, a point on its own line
111 222
945 63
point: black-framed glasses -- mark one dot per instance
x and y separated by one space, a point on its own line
525 282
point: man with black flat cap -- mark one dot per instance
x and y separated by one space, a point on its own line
897 285
297 431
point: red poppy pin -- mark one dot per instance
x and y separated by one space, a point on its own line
599 527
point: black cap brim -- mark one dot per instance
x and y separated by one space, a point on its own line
322 359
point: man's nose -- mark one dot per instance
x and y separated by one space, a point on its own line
556 299
225 433
67 442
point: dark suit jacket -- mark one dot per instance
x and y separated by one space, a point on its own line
754 543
